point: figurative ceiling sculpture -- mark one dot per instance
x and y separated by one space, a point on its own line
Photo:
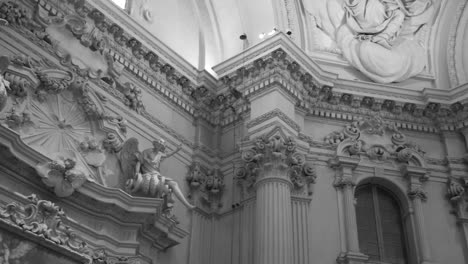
384 39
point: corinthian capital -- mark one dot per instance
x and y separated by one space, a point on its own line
276 157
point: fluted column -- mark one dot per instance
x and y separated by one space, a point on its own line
416 176
273 237
270 165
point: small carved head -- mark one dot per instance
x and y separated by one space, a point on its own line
159 145
69 163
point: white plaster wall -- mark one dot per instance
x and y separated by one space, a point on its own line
444 233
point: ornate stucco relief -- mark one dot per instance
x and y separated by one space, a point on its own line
55 113
376 139
206 186
44 220
382 39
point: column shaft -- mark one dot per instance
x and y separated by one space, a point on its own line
273 240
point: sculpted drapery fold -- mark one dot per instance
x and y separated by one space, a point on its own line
380 38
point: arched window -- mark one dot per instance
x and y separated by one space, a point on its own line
379 222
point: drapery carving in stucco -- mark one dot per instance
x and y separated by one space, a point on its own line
382 39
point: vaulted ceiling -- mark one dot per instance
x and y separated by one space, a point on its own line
206 32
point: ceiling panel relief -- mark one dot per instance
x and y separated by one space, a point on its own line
56 113
385 40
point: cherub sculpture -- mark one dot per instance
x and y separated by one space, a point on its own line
143 168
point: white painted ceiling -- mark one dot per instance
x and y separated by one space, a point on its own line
206 32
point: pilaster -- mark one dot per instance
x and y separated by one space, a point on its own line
416 176
345 183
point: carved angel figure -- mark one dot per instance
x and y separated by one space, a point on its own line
63 174
143 168
378 37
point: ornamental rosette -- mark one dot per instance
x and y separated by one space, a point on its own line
248 155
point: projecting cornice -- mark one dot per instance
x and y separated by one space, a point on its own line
278 62
275 63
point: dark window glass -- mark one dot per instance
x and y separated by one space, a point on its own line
379 225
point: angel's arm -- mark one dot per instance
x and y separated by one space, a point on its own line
179 147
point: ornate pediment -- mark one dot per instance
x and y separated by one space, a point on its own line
376 139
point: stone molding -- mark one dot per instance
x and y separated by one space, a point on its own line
274 113
440 114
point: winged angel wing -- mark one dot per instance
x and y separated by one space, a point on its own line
129 156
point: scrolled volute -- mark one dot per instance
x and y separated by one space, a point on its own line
43 219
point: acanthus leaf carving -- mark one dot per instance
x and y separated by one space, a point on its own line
206 184
277 153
